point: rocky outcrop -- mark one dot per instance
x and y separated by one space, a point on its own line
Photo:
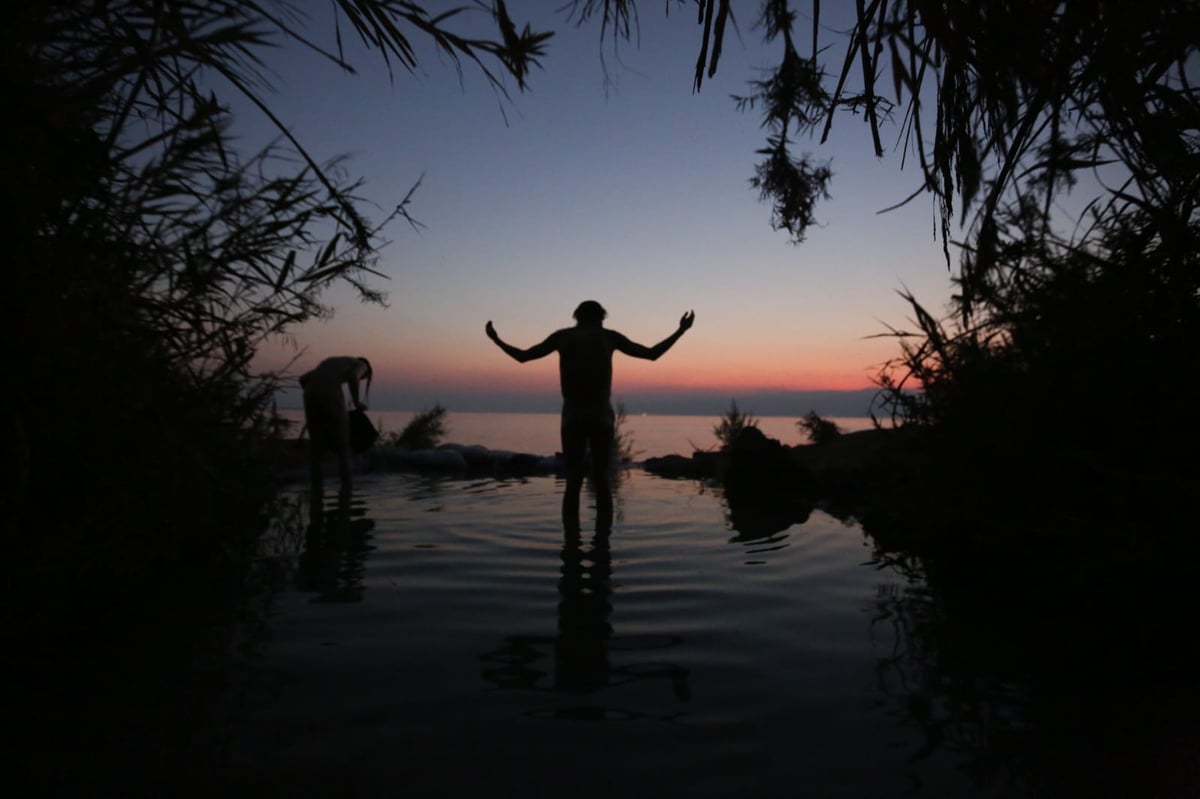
702 465
761 466
461 459
770 485
756 460
767 491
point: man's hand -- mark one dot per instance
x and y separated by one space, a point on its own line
685 323
491 331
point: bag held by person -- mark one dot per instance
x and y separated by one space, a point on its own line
363 434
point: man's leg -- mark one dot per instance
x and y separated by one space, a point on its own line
574 444
601 442
316 449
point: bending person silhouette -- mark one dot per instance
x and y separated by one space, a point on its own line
325 412
588 422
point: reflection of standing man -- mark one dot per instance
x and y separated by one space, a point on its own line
584 606
585 374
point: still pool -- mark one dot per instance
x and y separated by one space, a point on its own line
443 637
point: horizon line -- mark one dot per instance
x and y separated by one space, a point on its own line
765 403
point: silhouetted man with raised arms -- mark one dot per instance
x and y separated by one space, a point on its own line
585 374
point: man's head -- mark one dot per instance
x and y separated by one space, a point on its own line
590 312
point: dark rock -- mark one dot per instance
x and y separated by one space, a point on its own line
701 466
671 466
762 466
525 464
766 489
476 457
710 464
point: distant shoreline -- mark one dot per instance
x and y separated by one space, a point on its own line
374 409
857 403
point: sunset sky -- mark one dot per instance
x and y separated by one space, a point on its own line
635 195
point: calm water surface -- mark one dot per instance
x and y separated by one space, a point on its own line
441 637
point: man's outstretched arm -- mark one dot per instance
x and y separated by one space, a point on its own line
518 354
636 350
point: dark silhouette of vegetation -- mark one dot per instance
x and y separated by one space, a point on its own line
1061 367
424 431
1060 141
623 447
147 258
732 423
820 431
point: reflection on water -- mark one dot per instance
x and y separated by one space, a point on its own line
977 721
1059 699
761 650
336 546
585 648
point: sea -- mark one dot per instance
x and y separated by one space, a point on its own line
440 635
650 435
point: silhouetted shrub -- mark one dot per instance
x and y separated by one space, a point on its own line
623 451
423 431
820 431
731 426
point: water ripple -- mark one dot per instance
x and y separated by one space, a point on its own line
456 617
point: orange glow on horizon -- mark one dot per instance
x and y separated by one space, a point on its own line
545 381
482 370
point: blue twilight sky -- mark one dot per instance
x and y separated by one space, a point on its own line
631 190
